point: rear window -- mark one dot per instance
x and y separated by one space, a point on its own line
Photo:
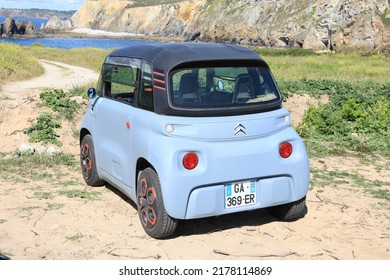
222 87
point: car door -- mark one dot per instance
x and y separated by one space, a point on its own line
113 120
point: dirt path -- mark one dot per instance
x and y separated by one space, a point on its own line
19 101
39 220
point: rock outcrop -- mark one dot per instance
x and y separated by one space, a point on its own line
57 23
318 25
11 27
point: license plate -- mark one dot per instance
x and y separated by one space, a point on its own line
240 194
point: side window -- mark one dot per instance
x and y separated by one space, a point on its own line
119 81
100 86
145 97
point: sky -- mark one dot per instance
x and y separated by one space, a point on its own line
61 5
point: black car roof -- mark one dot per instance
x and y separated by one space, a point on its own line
166 56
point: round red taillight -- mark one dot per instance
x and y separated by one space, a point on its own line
190 161
285 150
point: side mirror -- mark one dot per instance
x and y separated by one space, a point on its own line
220 85
91 93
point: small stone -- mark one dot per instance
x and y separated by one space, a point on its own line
51 150
25 148
41 150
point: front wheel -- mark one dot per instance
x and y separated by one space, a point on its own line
290 211
88 162
151 211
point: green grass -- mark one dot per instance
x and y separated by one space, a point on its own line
80 194
43 195
2 221
31 166
324 178
91 58
381 194
75 238
16 64
29 209
54 206
81 90
144 3
385 20
288 52
347 67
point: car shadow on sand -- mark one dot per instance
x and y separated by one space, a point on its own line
225 222
213 224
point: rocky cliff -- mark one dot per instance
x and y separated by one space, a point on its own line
321 24
13 27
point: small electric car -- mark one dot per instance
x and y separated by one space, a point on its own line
193 130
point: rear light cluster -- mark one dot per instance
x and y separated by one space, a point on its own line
190 160
285 149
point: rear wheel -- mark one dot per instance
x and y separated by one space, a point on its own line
290 211
88 162
151 211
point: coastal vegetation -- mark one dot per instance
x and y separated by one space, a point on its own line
91 58
16 64
19 63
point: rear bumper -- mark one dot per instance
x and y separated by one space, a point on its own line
198 193
210 200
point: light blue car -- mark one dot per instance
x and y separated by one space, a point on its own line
193 130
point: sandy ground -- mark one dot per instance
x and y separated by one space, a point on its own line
343 221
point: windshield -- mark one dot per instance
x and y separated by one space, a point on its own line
222 87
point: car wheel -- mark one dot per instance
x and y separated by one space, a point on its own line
151 211
290 211
4 258
88 162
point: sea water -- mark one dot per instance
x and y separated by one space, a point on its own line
70 43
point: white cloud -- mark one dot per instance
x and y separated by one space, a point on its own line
64 5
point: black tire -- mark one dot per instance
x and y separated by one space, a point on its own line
290 211
4 258
150 205
88 162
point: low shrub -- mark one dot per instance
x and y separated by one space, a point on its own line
44 130
357 117
60 102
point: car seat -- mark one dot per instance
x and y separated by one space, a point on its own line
243 89
188 88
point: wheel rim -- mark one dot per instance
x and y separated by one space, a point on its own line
147 204
86 162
